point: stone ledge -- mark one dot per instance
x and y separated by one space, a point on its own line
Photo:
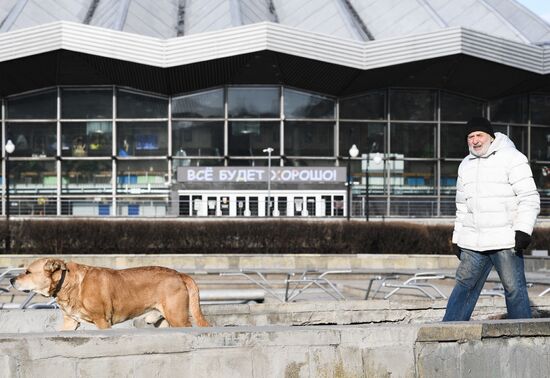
411 350
452 331
313 313
477 330
206 262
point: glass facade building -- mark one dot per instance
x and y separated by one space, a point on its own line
120 151
238 108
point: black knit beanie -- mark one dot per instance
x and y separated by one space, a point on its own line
479 124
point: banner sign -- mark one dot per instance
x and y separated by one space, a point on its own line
260 174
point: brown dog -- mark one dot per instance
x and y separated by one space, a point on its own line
106 296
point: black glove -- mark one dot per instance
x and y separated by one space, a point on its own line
522 241
456 250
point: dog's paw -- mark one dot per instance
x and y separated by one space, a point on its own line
149 320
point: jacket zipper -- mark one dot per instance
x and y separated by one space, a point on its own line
475 201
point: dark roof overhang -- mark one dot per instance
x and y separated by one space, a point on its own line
458 73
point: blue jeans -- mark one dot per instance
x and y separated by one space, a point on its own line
471 276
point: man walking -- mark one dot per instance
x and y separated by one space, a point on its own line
497 204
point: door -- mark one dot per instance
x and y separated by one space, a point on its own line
185 206
241 206
224 205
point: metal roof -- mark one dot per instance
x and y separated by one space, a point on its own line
386 19
274 37
358 20
343 47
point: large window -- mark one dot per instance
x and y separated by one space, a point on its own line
412 177
453 141
510 110
518 135
413 105
86 103
80 139
459 108
540 109
540 143
250 138
367 106
142 139
134 105
368 137
309 138
86 176
448 176
37 139
413 140
305 105
141 175
38 105
208 104
253 102
33 176
541 174
197 138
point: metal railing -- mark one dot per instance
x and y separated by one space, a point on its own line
160 208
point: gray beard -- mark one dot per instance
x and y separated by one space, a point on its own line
481 153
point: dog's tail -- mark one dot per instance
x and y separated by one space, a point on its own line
194 300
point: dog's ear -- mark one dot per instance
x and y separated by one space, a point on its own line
54 264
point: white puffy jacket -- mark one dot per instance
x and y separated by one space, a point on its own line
495 196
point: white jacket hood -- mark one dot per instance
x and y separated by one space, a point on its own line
501 142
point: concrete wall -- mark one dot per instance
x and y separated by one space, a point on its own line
311 339
249 261
488 349
198 262
292 314
484 349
